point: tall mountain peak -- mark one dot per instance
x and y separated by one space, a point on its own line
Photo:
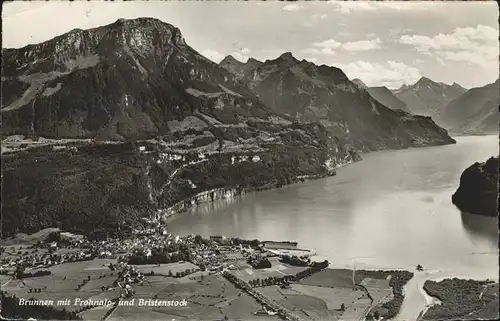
254 61
287 56
229 59
424 80
428 97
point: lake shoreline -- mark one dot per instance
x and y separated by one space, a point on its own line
191 202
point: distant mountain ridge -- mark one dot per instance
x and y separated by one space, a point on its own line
307 92
476 111
429 98
383 95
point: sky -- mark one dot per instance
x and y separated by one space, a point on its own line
387 43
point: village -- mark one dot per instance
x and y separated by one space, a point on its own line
252 278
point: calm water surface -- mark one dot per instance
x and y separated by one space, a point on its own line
391 210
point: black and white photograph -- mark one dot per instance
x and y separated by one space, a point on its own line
249 160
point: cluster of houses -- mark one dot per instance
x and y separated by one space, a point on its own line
244 158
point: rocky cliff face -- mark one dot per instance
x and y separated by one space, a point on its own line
133 79
307 92
476 111
117 123
478 190
429 98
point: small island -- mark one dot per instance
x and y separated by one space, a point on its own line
478 190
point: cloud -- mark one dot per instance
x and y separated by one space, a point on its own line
477 45
393 74
292 7
362 45
245 50
316 51
347 7
323 48
328 47
320 16
213 55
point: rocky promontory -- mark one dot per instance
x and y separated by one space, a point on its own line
478 190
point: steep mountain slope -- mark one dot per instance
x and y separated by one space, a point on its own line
476 111
127 121
128 80
428 98
478 190
308 92
384 96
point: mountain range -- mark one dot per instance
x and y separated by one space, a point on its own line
111 125
461 111
429 98
383 95
475 111
310 93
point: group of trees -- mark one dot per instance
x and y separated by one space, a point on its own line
295 260
29 274
389 310
273 280
253 243
458 297
259 262
285 279
84 282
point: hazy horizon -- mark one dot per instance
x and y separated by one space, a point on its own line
382 43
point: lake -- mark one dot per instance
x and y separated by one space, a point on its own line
391 210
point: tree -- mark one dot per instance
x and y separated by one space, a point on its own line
54 237
342 307
19 271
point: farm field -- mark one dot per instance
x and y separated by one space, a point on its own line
64 281
330 278
164 269
277 269
209 297
304 306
